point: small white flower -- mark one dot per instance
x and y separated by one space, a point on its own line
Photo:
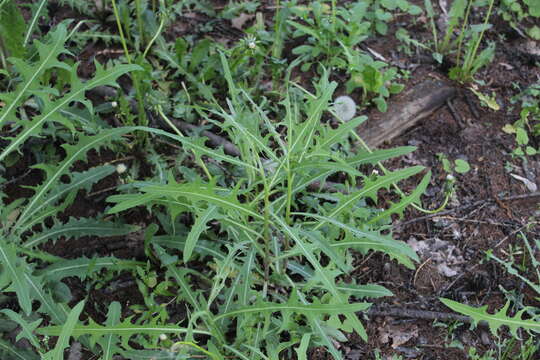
114 104
162 337
250 42
450 177
121 168
345 107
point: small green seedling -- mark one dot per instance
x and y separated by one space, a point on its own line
460 166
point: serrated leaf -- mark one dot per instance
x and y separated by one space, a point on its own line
50 203
30 73
13 270
301 182
65 332
413 198
109 342
128 201
364 291
495 320
198 227
14 353
318 239
74 153
123 329
302 138
55 311
370 188
12 28
82 267
202 192
197 145
203 247
75 94
27 329
76 228
365 239
334 136
298 308
328 167
328 279
375 156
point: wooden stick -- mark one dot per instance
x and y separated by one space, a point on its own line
405 111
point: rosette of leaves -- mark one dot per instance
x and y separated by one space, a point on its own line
261 264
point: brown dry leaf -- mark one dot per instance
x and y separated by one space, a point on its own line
239 21
399 334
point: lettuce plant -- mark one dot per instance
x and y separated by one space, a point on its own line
278 247
261 258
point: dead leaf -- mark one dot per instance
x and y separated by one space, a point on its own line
399 334
239 21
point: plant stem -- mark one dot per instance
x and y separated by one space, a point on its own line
276 48
469 62
121 31
266 233
334 17
139 20
143 120
179 133
431 15
158 32
462 33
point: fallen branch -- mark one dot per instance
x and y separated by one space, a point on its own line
405 111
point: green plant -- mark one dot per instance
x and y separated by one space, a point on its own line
459 12
528 124
327 26
502 317
518 16
265 230
466 43
518 349
32 274
459 165
12 28
325 29
472 61
333 34
532 264
368 74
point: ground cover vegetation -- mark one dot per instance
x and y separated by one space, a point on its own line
184 179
